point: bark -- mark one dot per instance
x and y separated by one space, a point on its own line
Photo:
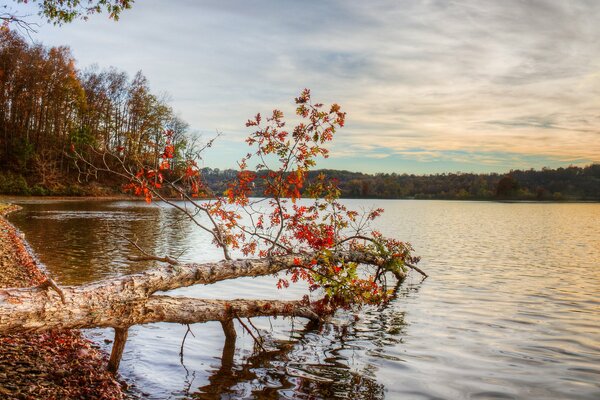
130 300
117 349
229 330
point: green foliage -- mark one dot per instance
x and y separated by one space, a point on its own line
22 152
11 183
15 184
64 11
75 190
39 190
82 137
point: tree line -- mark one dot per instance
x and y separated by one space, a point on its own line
571 183
48 105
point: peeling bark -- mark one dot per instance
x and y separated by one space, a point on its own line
129 300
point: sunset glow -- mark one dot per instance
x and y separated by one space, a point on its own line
429 86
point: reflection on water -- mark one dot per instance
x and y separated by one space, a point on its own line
292 371
511 308
82 242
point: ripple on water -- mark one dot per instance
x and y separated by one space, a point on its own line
510 311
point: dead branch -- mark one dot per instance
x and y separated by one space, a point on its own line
146 256
419 270
149 257
49 283
188 330
256 340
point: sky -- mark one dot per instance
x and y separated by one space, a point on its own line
428 86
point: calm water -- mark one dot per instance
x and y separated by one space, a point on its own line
511 309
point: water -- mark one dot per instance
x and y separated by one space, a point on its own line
511 309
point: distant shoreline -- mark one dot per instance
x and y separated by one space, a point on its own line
9 198
573 184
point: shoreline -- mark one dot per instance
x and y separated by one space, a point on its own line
49 365
8 198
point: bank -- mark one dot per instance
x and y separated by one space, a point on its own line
51 365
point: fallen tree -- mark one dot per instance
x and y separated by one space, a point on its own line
131 300
331 248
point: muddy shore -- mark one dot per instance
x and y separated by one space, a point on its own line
52 365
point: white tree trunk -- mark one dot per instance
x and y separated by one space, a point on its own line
130 300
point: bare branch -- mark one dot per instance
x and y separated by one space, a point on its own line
146 256
256 340
188 330
20 22
49 283
419 270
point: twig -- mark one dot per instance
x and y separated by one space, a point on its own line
258 342
153 258
183 342
419 270
49 283
147 256
256 329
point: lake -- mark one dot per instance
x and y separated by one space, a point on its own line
511 309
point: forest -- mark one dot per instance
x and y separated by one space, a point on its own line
47 106
571 183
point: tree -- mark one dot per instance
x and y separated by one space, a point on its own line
59 12
46 104
507 187
317 239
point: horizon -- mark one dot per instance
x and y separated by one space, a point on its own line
499 173
429 87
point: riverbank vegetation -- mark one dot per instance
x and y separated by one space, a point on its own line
560 184
48 105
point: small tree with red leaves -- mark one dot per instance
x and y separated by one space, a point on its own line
271 210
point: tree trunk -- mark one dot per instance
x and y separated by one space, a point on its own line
129 300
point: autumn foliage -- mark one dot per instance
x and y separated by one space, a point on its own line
293 216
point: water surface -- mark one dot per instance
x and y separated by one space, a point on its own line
511 309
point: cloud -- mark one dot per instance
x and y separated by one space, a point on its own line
489 78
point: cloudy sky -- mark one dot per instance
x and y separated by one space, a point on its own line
429 86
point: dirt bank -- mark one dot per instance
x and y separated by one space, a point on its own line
54 365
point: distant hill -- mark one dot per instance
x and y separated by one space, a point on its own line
571 183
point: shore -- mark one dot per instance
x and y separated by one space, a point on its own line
9 198
50 365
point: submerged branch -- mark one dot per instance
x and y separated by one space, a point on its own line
419 270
